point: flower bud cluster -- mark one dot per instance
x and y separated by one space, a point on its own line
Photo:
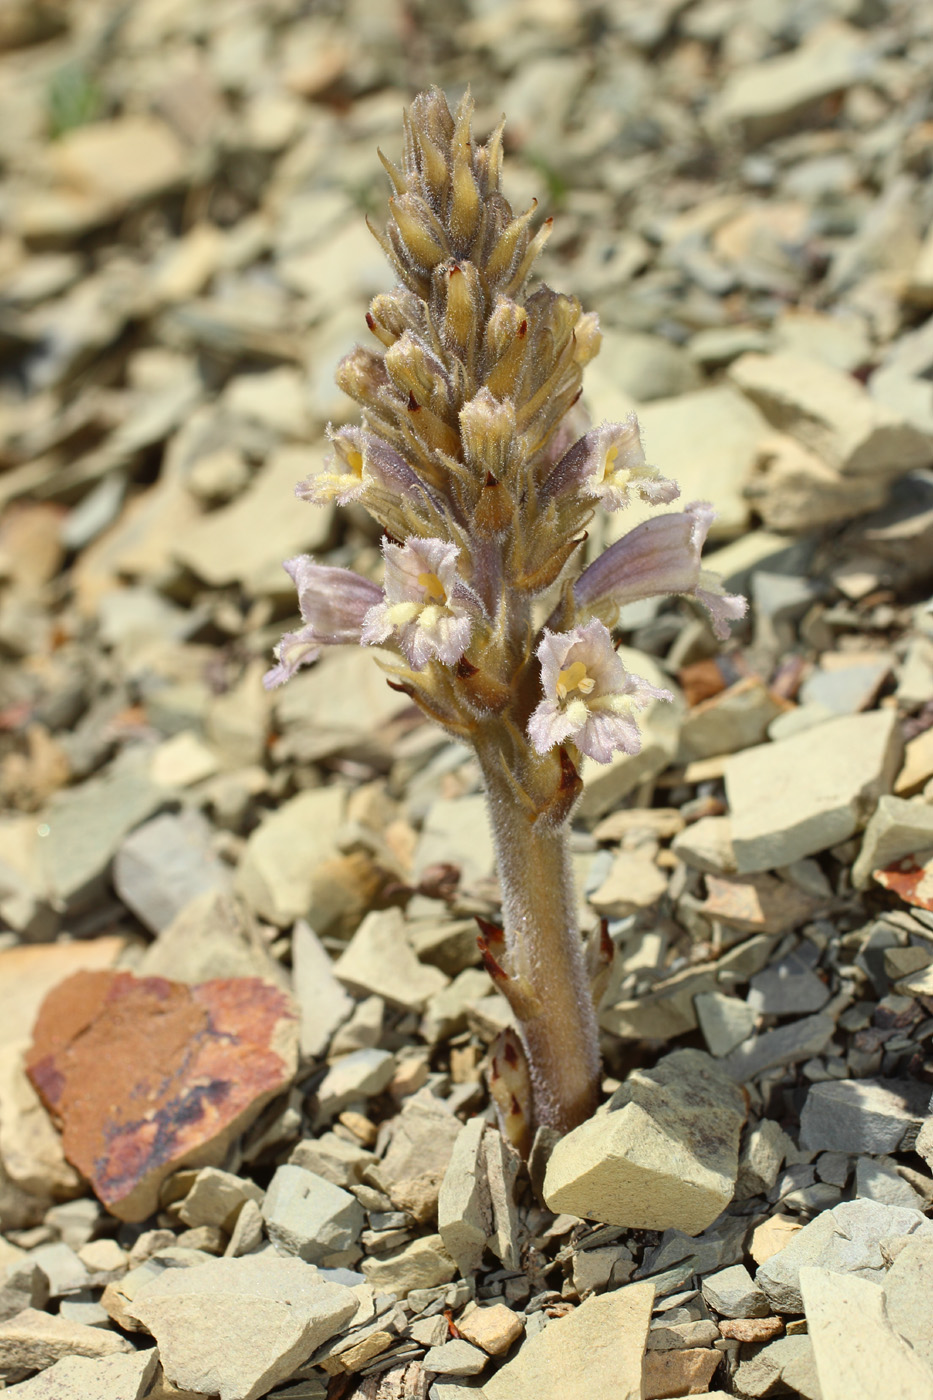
464 459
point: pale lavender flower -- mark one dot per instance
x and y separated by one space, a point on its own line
342 478
426 605
589 696
662 555
608 463
333 603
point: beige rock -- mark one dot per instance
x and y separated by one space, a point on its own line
213 936
237 1327
33 1340
734 719
118 162
380 961
634 882
424 1263
187 265
422 1142
30 1147
117 1377
225 546
707 845
766 99
920 287
596 1350
858 1354
464 1204
832 415
276 876
794 798
182 761
683 1371
897 828
795 490
276 398
663 1154
493 1328
906 1290
322 1002
216 1198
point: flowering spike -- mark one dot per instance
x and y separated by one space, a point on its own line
483 475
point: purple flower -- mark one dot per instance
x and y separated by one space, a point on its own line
609 464
426 605
662 555
333 604
588 694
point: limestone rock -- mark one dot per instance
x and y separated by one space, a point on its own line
237 1327
464 1206
846 1239
859 1355
212 936
33 1340
596 1350
860 1115
322 1002
897 828
360 1075
166 863
797 797
118 1377
379 960
679 1372
422 1142
664 1152
276 876
906 1293
216 1198
309 1216
831 414
424 1263
205 1060
777 95
494 1328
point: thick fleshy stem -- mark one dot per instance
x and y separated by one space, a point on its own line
543 949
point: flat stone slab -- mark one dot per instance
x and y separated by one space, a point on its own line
119 1377
846 1239
146 1075
664 1153
235 1328
861 1115
794 798
858 1354
595 1351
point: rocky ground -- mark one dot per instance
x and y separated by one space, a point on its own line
742 189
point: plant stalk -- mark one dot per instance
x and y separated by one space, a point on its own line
544 948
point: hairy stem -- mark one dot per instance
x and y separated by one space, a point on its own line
544 949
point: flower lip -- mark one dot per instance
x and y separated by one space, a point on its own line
608 464
426 605
589 696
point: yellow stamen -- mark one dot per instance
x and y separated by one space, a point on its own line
433 587
574 678
355 463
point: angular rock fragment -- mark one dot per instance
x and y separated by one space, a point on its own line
33 1340
464 1211
860 1115
237 1327
596 1350
310 1217
380 961
858 1354
323 1003
846 1239
413 1168
146 1075
663 1153
118 1377
797 797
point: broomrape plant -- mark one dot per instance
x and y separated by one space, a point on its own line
466 458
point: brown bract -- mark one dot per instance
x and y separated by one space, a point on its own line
144 1075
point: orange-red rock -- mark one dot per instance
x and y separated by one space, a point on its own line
144 1075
